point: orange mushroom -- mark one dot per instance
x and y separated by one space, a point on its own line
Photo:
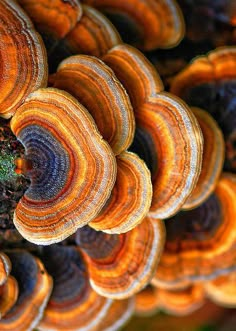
72 170
73 305
130 199
93 34
8 295
147 24
222 290
146 301
35 286
95 85
213 159
5 267
121 265
23 58
201 242
209 83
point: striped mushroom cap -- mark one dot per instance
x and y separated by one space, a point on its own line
222 290
23 66
95 85
130 198
8 295
73 305
148 23
34 290
72 170
212 160
121 265
168 136
200 243
5 267
209 82
54 18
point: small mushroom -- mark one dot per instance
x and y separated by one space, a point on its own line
222 290
148 23
23 67
121 265
5 268
73 305
130 198
95 85
169 139
93 34
200 243
213 159
8 295
71 168
35 286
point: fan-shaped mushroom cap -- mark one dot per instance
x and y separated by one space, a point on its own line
169 139
72 169
209 82
201 242
5 267
222 290
23 66
149 23
54 18
146 301
130 199
95 85
73 305
93 34
34 290
182 301
135 72
8 295
213 159
121 265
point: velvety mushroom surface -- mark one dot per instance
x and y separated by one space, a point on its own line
121 265
35 286
73 305
201 242
23 65
71 168
209 82
95 85
148 24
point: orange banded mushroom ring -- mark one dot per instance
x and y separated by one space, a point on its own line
72 169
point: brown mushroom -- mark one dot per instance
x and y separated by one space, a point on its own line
8 295
5 267
71 168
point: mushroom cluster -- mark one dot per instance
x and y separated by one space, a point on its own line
127 208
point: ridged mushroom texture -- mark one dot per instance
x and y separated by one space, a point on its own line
73 305
8 295
200 243
147 24
71 168
23 67
209 82
121 265
35 286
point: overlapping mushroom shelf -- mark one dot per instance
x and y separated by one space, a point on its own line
126 175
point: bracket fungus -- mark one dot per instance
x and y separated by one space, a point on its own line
5 267
72 169
73 305
8 295
95 85
146 301
148 24
209 82
200 243
130 198
34 290
23 67
121 265
212 160
222 290
168 136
